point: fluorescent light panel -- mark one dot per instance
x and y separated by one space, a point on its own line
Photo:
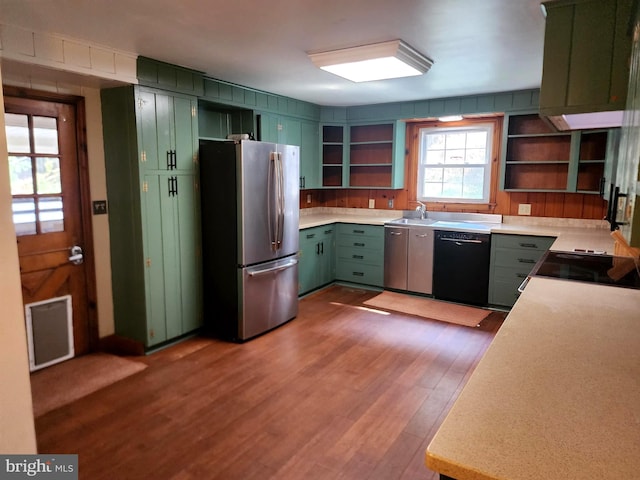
378 61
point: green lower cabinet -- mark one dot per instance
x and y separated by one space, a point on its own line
316 266
360 254
512 258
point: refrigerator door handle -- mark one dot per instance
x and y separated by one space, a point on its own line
280 199
264 271
271 201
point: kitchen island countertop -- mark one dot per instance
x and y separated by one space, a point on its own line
556 395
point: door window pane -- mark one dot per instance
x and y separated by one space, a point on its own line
48 175
45 135
21 175
50 214
24 215
17 128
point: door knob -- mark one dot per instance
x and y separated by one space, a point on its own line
76 257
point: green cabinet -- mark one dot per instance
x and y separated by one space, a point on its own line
586 57
360 253
293 131
316 266
537 158
364 155
512 258
150 142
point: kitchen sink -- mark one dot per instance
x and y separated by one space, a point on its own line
411 222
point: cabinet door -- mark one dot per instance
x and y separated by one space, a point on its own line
327 264
188 250
307 260
269 125
309 160
185 139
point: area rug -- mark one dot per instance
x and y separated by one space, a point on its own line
429 308
65 382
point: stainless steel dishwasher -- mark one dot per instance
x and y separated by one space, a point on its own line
461 266
408 259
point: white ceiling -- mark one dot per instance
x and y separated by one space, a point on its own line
478 46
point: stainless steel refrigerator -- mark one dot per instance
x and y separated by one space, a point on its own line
250 207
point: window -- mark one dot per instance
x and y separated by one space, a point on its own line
34 169
454 163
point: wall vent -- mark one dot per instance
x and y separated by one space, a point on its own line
49 331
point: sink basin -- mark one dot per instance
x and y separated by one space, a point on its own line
411 222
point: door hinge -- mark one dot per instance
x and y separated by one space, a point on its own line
145 186
193 111
148 262
143 156
195 159
152 333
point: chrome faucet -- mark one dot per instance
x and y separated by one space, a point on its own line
422 208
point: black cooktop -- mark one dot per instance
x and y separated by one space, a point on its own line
591 268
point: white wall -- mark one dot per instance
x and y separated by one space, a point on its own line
17 432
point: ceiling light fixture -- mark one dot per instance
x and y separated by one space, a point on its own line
377 61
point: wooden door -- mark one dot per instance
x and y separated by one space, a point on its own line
46 199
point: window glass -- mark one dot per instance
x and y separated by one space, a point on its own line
35 176
17 128
45 135
455 164
48 175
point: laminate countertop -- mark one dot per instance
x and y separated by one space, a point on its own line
556 395
568 238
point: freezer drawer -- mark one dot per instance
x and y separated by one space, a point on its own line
269 296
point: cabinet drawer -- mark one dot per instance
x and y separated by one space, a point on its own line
360 255
360 230
359 273
524 260
525 242
512 275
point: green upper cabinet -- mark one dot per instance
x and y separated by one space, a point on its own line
167 133
216 122
293 131
150 140
537 158
586 56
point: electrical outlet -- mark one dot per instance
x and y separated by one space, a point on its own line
372 203
308 198
390 203
524 209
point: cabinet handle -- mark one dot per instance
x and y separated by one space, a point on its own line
528 245
526 260
328 232
395 233
603 183
171 160
311 235
521 275
358 274
317 249
173 186
358 231
321 248
357 257
302 182
358 244
422 235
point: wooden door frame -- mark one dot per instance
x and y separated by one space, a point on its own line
85 196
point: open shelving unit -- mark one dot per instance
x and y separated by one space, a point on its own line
536 158
332 155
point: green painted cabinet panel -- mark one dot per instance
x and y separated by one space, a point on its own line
154 213
167 134
360 254
512 258
316 266
293 131
586 56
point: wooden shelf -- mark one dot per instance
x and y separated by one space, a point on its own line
332 155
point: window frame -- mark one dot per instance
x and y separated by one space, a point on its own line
412 164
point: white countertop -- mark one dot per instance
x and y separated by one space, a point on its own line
556 395
568 238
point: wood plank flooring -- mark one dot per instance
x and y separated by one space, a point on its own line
341 392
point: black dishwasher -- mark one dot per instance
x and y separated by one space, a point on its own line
461 266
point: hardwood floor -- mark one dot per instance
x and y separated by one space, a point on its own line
341 392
